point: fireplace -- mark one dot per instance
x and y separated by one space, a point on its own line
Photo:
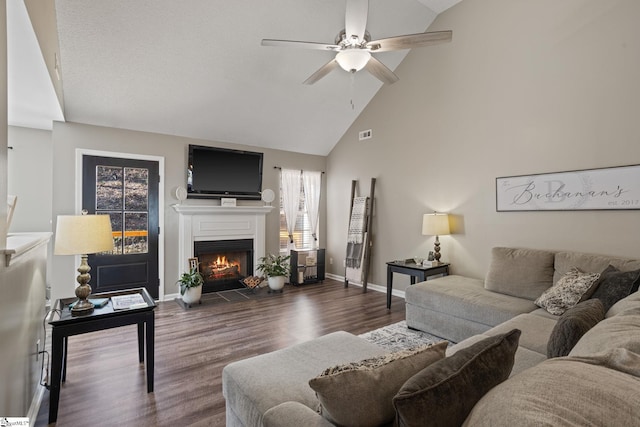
206 223
223 263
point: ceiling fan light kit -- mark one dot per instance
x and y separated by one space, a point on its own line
353 60
354 45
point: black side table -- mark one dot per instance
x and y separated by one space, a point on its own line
414 270
102 318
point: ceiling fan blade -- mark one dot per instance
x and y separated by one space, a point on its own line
355 20
300 44
323 71
410 41
380 71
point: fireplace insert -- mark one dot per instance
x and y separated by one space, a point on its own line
224 263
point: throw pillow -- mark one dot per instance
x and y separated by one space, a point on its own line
520 272
616 285
360 394
443 393
567 291
572 325
589 292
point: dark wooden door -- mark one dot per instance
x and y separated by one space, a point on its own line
127 191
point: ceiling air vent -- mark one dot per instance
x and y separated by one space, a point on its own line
364 134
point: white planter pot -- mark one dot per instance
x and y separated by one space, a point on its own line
276 283
192 295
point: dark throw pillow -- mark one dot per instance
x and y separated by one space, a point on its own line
443 393
572 325
359 394
615 285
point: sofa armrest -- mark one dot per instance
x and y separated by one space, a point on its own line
293 414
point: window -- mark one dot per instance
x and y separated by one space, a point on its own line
302 234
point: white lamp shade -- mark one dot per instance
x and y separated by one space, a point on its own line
353 59
435 224
83 234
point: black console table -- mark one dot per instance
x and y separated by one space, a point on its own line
65 325
414 270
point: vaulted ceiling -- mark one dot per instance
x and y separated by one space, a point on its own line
196 68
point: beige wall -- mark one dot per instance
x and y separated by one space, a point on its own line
524 87
67 137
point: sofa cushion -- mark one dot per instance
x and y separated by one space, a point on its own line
615 285
624 304
572 325
538 397
444 393
535 331
248 384
619 331
567 291
360 393
524 273
294 414
589 263
524 358
466 298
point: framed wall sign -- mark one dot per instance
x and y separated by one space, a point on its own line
591 189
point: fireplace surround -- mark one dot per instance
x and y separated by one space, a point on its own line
205 224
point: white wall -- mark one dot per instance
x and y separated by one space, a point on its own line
524 87
67 137
30 171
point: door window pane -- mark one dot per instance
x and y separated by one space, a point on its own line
116 229
109 181
136 232
136 189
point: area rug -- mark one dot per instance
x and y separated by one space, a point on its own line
398 336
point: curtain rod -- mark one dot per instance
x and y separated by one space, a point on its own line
301 170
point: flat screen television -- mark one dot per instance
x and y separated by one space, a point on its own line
221 172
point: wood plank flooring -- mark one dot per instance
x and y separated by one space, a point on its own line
106 385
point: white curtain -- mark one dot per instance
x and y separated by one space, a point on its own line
290 185
312 182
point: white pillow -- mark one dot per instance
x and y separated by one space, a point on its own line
567 291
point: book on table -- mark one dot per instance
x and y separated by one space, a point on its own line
127 302
97 302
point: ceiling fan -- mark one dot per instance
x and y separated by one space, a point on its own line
354 45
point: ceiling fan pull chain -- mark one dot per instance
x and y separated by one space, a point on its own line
352 79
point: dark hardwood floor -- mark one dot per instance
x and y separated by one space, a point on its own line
106 385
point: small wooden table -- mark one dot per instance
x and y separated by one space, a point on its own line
102 318
415 271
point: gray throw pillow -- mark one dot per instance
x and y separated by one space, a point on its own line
359 394
572 325
443 393
615 285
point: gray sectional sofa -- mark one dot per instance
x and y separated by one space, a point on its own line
597 383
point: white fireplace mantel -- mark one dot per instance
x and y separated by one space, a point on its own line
221 210
205 222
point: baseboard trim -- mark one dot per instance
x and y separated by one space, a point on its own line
372 286
34 408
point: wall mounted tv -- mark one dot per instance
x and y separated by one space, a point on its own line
220 172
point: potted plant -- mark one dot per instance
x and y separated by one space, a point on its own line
276 268
191 286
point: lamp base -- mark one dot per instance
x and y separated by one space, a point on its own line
82 308
436 249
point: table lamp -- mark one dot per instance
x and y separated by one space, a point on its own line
83 235
435 224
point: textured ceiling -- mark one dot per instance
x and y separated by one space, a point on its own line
196 68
